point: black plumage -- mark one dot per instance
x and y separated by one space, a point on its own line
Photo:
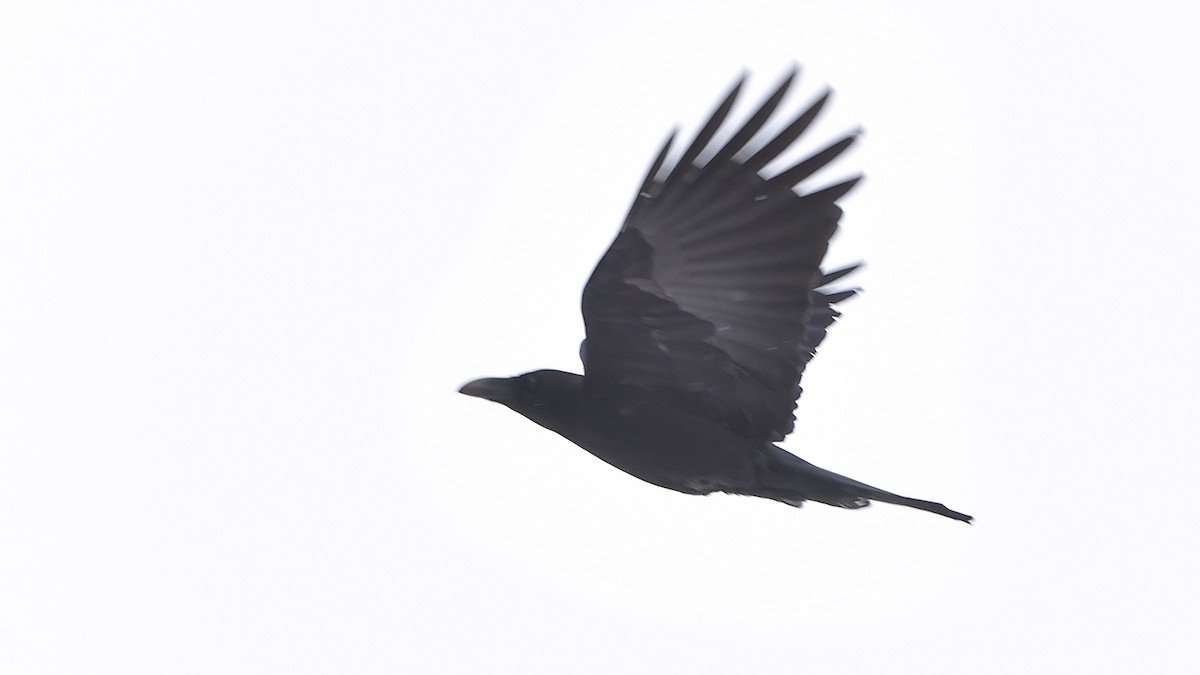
700 320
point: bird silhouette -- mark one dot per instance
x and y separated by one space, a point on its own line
701 318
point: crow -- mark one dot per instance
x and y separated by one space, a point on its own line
700 319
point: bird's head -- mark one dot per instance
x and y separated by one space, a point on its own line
532 394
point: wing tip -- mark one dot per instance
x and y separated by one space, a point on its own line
830 277
836 191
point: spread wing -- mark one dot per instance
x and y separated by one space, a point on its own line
712 292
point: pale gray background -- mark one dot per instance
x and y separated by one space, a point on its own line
249 251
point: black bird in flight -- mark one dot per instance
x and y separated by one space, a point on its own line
701 318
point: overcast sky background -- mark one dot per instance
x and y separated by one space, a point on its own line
249 251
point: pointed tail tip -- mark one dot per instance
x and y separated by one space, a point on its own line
931 507
942 510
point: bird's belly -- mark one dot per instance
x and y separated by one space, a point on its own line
669 448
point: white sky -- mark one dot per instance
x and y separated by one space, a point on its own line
249 251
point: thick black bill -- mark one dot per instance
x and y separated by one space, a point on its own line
490 388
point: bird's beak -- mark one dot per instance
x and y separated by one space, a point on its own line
491 388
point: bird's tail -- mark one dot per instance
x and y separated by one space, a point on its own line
932 507
793 480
